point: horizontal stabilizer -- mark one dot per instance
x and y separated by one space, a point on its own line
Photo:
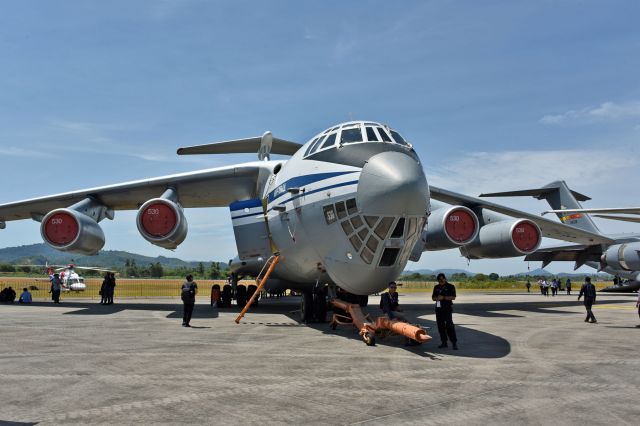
538 193
241 146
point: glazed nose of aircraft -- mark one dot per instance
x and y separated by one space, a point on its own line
393 183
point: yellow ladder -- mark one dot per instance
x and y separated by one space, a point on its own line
272 262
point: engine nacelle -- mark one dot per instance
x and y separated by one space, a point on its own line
161 222
624 257
70 230
508 238
450 227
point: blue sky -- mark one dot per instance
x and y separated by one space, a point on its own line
494 96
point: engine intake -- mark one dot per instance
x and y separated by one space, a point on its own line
508 238
450 227
162 222
624 257
69 230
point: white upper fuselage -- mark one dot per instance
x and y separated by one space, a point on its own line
345 208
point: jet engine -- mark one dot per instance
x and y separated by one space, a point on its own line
624 257
70 230
507 238
161 222
450 227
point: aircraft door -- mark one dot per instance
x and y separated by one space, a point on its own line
250 229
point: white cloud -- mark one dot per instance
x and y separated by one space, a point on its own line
478 172
20 152
607 111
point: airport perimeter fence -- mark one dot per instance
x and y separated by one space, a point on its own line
130 288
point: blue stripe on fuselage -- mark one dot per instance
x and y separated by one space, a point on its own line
337 185
300 181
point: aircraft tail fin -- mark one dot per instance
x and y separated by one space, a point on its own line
559 197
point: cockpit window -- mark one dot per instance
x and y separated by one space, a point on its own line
316 145
398 138
311 146
331 139
371 135
351 135
384 135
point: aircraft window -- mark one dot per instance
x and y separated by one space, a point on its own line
335 128
371 135
372 243
346 227
355 242
371 220
384 135
351 206
383 227
363 233
331 139
399 229
329 214
366 255
389 256
316 145
311 146
342 212
399 139
357 222
351 135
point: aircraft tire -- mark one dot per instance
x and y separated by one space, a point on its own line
250 291
241 296
306 307
363 300
226 296
320 306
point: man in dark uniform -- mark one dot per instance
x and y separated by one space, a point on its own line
390 305
444 294
589 292
188 295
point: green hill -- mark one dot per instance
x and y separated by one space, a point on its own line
38 254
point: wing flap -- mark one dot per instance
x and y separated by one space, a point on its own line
241 146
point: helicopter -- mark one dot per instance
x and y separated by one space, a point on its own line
71 279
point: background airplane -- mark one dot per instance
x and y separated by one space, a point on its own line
347 210
619 256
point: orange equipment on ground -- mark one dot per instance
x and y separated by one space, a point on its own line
369 329
271 263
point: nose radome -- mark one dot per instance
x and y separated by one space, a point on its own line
393 183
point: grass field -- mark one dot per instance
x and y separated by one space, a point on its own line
145 288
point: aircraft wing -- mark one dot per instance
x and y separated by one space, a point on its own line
578 253
548 227
215 187
622 218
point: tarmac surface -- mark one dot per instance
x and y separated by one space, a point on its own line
523 359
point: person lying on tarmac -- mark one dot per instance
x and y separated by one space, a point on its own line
389 303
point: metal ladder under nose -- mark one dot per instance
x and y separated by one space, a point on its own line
271 263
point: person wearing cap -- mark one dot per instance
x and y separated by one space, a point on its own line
390 305
444 294
589 292
56 287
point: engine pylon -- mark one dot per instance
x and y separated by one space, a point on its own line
369 329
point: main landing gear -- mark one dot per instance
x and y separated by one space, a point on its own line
313 305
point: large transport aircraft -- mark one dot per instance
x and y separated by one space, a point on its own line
346 212
620 256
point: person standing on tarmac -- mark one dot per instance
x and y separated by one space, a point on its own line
444 294
568 285
638 306
589 292
56 287
188 295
